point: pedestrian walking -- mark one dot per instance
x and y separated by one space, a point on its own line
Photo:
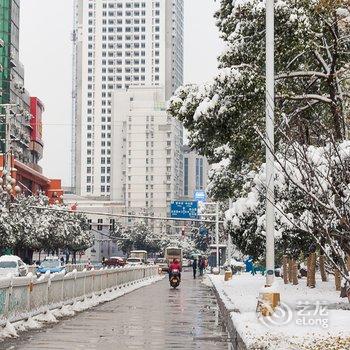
194 267
201 266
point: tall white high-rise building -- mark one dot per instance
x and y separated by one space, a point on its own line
196 172
117 44
147 171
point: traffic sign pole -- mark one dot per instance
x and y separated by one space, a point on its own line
217 235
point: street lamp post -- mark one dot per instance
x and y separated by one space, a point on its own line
269 297
270 110
217 235
8 182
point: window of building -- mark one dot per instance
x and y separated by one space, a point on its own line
100 222
199 174
185 177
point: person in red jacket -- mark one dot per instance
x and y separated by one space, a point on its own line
175 265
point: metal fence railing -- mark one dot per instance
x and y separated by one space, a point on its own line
67 267
22 297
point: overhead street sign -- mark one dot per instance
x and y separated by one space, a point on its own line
184 209
200 196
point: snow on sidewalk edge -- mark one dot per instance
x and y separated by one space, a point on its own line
225 311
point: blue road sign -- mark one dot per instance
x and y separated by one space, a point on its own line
200 196
203 231
184 209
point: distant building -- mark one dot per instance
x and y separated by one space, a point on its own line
100 225
117 44
195 172
147 169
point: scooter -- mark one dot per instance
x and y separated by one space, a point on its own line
175 278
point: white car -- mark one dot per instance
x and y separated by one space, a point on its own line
11 265
186 262
134 262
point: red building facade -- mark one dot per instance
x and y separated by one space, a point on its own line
29 176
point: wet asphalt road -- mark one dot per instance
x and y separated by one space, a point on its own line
153 318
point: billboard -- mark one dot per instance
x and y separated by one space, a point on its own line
184 209
36 110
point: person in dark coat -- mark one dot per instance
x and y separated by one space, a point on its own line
201 265
194 267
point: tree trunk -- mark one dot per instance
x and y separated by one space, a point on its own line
348 263
312 271
285 269
323 269
290 270
295 273
308 271
337 279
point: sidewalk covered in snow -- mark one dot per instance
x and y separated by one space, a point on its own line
307 318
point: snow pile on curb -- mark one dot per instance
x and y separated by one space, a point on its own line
207 281
308 319
51 316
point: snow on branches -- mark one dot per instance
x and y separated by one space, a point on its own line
313 204
312 82
225 120
30 223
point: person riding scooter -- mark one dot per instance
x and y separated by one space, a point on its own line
175 265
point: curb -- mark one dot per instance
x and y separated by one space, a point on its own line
236 340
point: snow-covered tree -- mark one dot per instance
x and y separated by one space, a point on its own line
7 238
313 204
312 84
30 223
139 236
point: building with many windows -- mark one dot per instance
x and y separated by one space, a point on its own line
196 169
147 170
117 44
12 90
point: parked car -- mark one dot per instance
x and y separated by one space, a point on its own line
150 261
186 262
11 265
114 261
134 262
161 262
51 264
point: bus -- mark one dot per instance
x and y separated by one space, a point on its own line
172 253
142 254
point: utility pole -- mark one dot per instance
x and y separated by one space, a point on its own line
229 240
217 223
270 111
7 160
7 141
217 235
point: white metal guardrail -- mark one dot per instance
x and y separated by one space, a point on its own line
22 297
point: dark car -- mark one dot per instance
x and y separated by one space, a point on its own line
114 261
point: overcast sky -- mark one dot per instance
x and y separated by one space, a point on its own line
46 52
